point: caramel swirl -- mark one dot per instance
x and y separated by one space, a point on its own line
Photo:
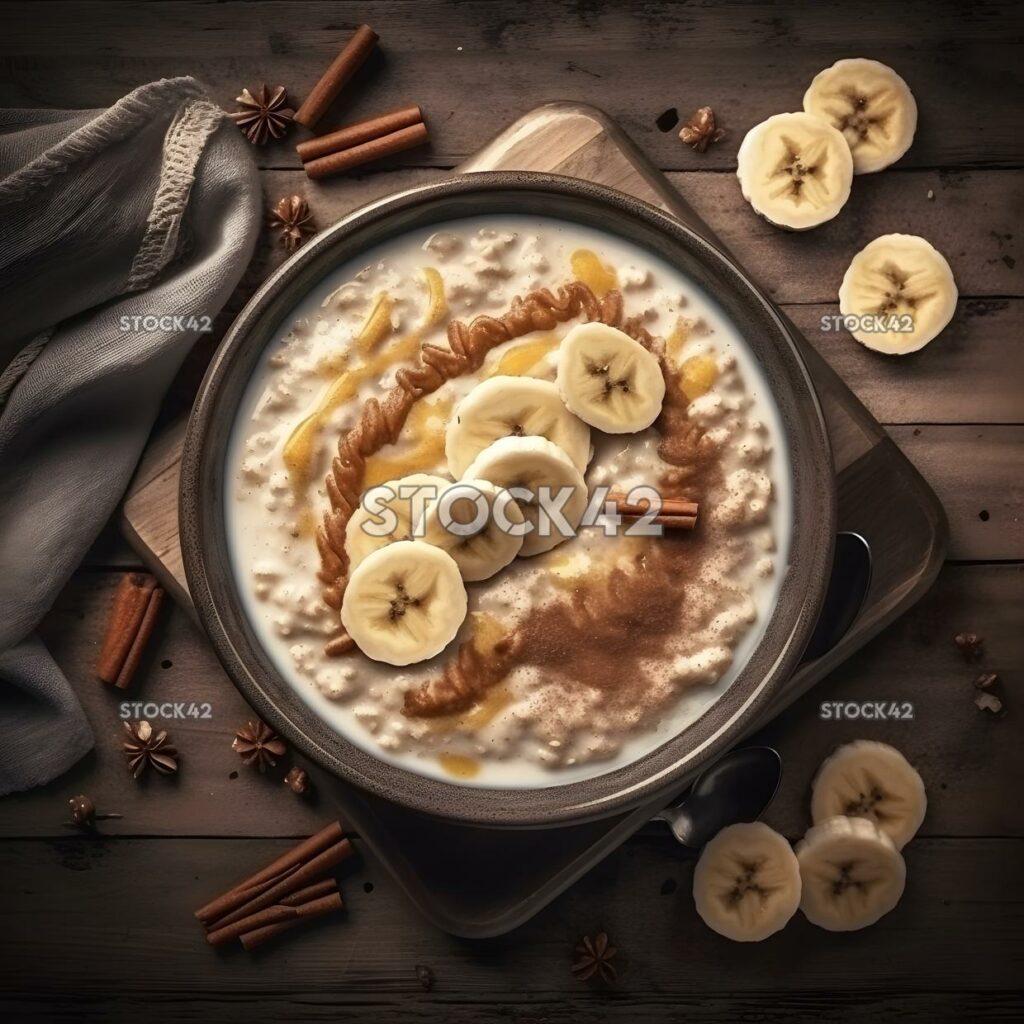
464 681
381 421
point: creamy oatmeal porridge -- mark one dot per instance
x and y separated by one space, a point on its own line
496 657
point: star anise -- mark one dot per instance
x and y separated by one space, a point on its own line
292 217
258 744
263 116
144 747
700 130
593 957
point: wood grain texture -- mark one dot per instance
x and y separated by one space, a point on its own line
149 512
794 267
978 472
634 60
956 929
859 1003
961 753
971 373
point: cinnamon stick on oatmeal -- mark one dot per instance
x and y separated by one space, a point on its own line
137 602
356 134
334 79
375 149
672 513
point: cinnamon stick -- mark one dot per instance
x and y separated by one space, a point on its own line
671 513
669 522
266 877
375 149
145 631
667 506
334 79
137 601
255 938
312 901
291 882
358 133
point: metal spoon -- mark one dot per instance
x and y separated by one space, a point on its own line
737 787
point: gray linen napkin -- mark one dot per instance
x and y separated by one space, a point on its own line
150 208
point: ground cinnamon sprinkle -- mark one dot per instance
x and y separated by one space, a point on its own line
600 637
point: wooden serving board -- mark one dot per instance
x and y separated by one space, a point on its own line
880 498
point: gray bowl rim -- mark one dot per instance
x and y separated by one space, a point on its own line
767 333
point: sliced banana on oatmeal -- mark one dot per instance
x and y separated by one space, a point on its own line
546 485
387 513
871 780
871 105
513 407
795 170
851 874
404 603
609 380
478 524
747 882
902 291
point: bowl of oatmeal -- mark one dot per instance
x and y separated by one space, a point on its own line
508 499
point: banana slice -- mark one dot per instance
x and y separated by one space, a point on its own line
404 603
609 380
747 882
540 476
795 170
851 874
871 105
387 513
899 282
871 780
463 522
513 407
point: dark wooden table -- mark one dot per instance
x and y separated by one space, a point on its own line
100 929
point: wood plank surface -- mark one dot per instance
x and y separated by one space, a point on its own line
971 373
794 267
636 61
129 903
100 929
978 473
962 753
857 1003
